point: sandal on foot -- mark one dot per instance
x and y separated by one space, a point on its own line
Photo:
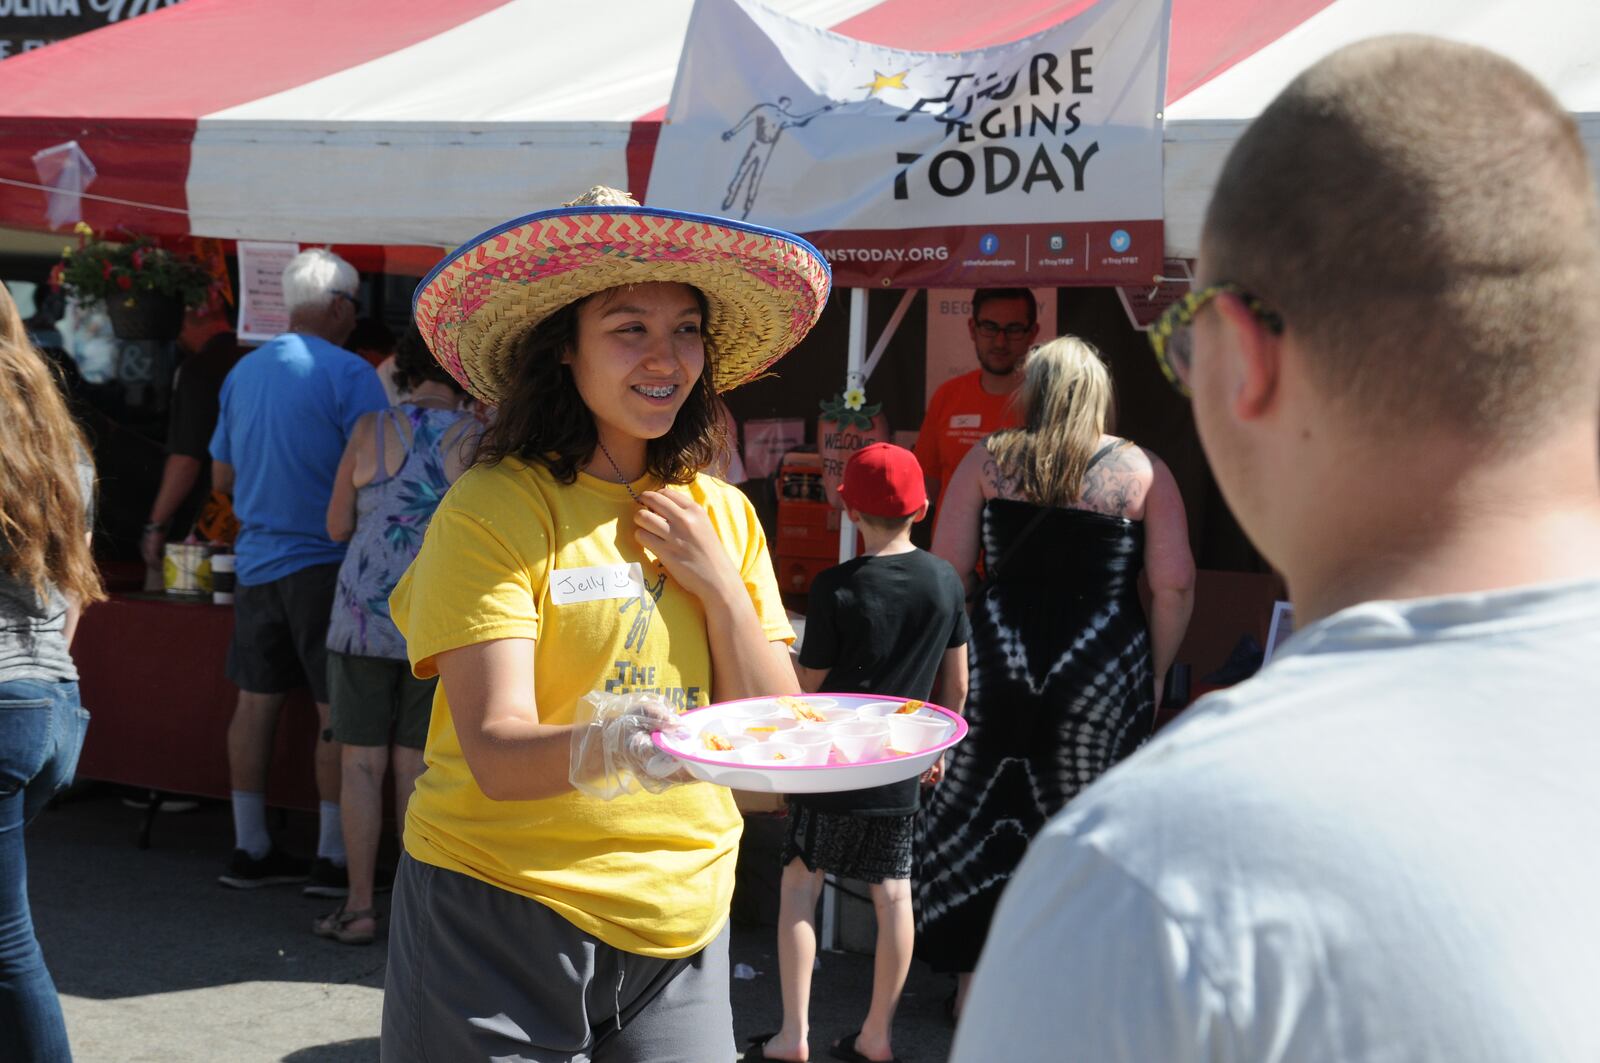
756 1049
845 1048
337 926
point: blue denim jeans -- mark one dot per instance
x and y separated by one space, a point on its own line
42 725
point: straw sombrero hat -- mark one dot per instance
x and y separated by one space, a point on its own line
765 288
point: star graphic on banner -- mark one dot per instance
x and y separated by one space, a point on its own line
886 81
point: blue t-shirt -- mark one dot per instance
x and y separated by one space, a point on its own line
287 409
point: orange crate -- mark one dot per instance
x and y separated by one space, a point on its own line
796 573
808 529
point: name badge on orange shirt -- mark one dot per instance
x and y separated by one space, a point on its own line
595 583
967 420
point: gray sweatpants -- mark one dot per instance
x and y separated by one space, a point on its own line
478 973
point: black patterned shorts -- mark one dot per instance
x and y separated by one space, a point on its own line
868 848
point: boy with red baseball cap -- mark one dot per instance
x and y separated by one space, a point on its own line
889 622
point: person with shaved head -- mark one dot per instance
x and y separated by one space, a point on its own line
1383 846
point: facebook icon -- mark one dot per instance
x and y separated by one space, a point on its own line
989 243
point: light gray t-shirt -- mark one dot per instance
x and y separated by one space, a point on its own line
33 642
1385 847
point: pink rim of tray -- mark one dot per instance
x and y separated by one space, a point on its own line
861 699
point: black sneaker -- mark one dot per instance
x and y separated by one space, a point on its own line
167 804
327 879
277 868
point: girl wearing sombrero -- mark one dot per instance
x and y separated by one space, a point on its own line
585 551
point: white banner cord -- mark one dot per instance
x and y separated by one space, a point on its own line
1161 279
91 195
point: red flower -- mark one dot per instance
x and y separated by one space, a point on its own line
56 273
138 258
124 282
105 270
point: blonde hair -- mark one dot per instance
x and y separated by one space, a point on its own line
1066 401
12 330
43 514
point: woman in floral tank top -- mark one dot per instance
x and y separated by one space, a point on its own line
396 468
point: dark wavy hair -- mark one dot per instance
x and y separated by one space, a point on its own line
543 417
414 363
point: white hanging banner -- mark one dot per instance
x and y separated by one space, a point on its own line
1033 163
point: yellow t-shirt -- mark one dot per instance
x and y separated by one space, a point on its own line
647 873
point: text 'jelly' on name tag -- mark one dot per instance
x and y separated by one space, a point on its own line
595 583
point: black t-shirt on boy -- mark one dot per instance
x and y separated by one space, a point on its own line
881 625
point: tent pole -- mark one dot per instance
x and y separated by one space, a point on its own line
855 359
899 315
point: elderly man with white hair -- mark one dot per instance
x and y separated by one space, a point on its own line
287 409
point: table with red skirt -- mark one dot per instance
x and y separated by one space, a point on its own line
151 671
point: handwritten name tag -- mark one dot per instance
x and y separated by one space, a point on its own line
966 420
568 586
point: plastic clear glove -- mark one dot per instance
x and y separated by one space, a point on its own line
612 750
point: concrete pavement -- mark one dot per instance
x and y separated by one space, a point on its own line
155 962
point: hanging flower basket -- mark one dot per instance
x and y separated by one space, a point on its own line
145 316
144 287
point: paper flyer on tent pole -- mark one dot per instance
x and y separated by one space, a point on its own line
1036 162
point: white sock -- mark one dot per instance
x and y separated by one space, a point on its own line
330 833
250 823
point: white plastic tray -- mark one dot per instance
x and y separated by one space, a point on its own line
687 742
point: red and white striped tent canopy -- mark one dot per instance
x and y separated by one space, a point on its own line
427 121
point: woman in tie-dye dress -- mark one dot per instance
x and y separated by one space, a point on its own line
1064 662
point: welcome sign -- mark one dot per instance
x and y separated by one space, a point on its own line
1032 163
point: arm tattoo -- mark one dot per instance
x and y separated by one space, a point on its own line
1115 486
997 481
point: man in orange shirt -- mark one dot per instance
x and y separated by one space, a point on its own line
1004 324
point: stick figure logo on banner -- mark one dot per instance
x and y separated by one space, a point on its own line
768 120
